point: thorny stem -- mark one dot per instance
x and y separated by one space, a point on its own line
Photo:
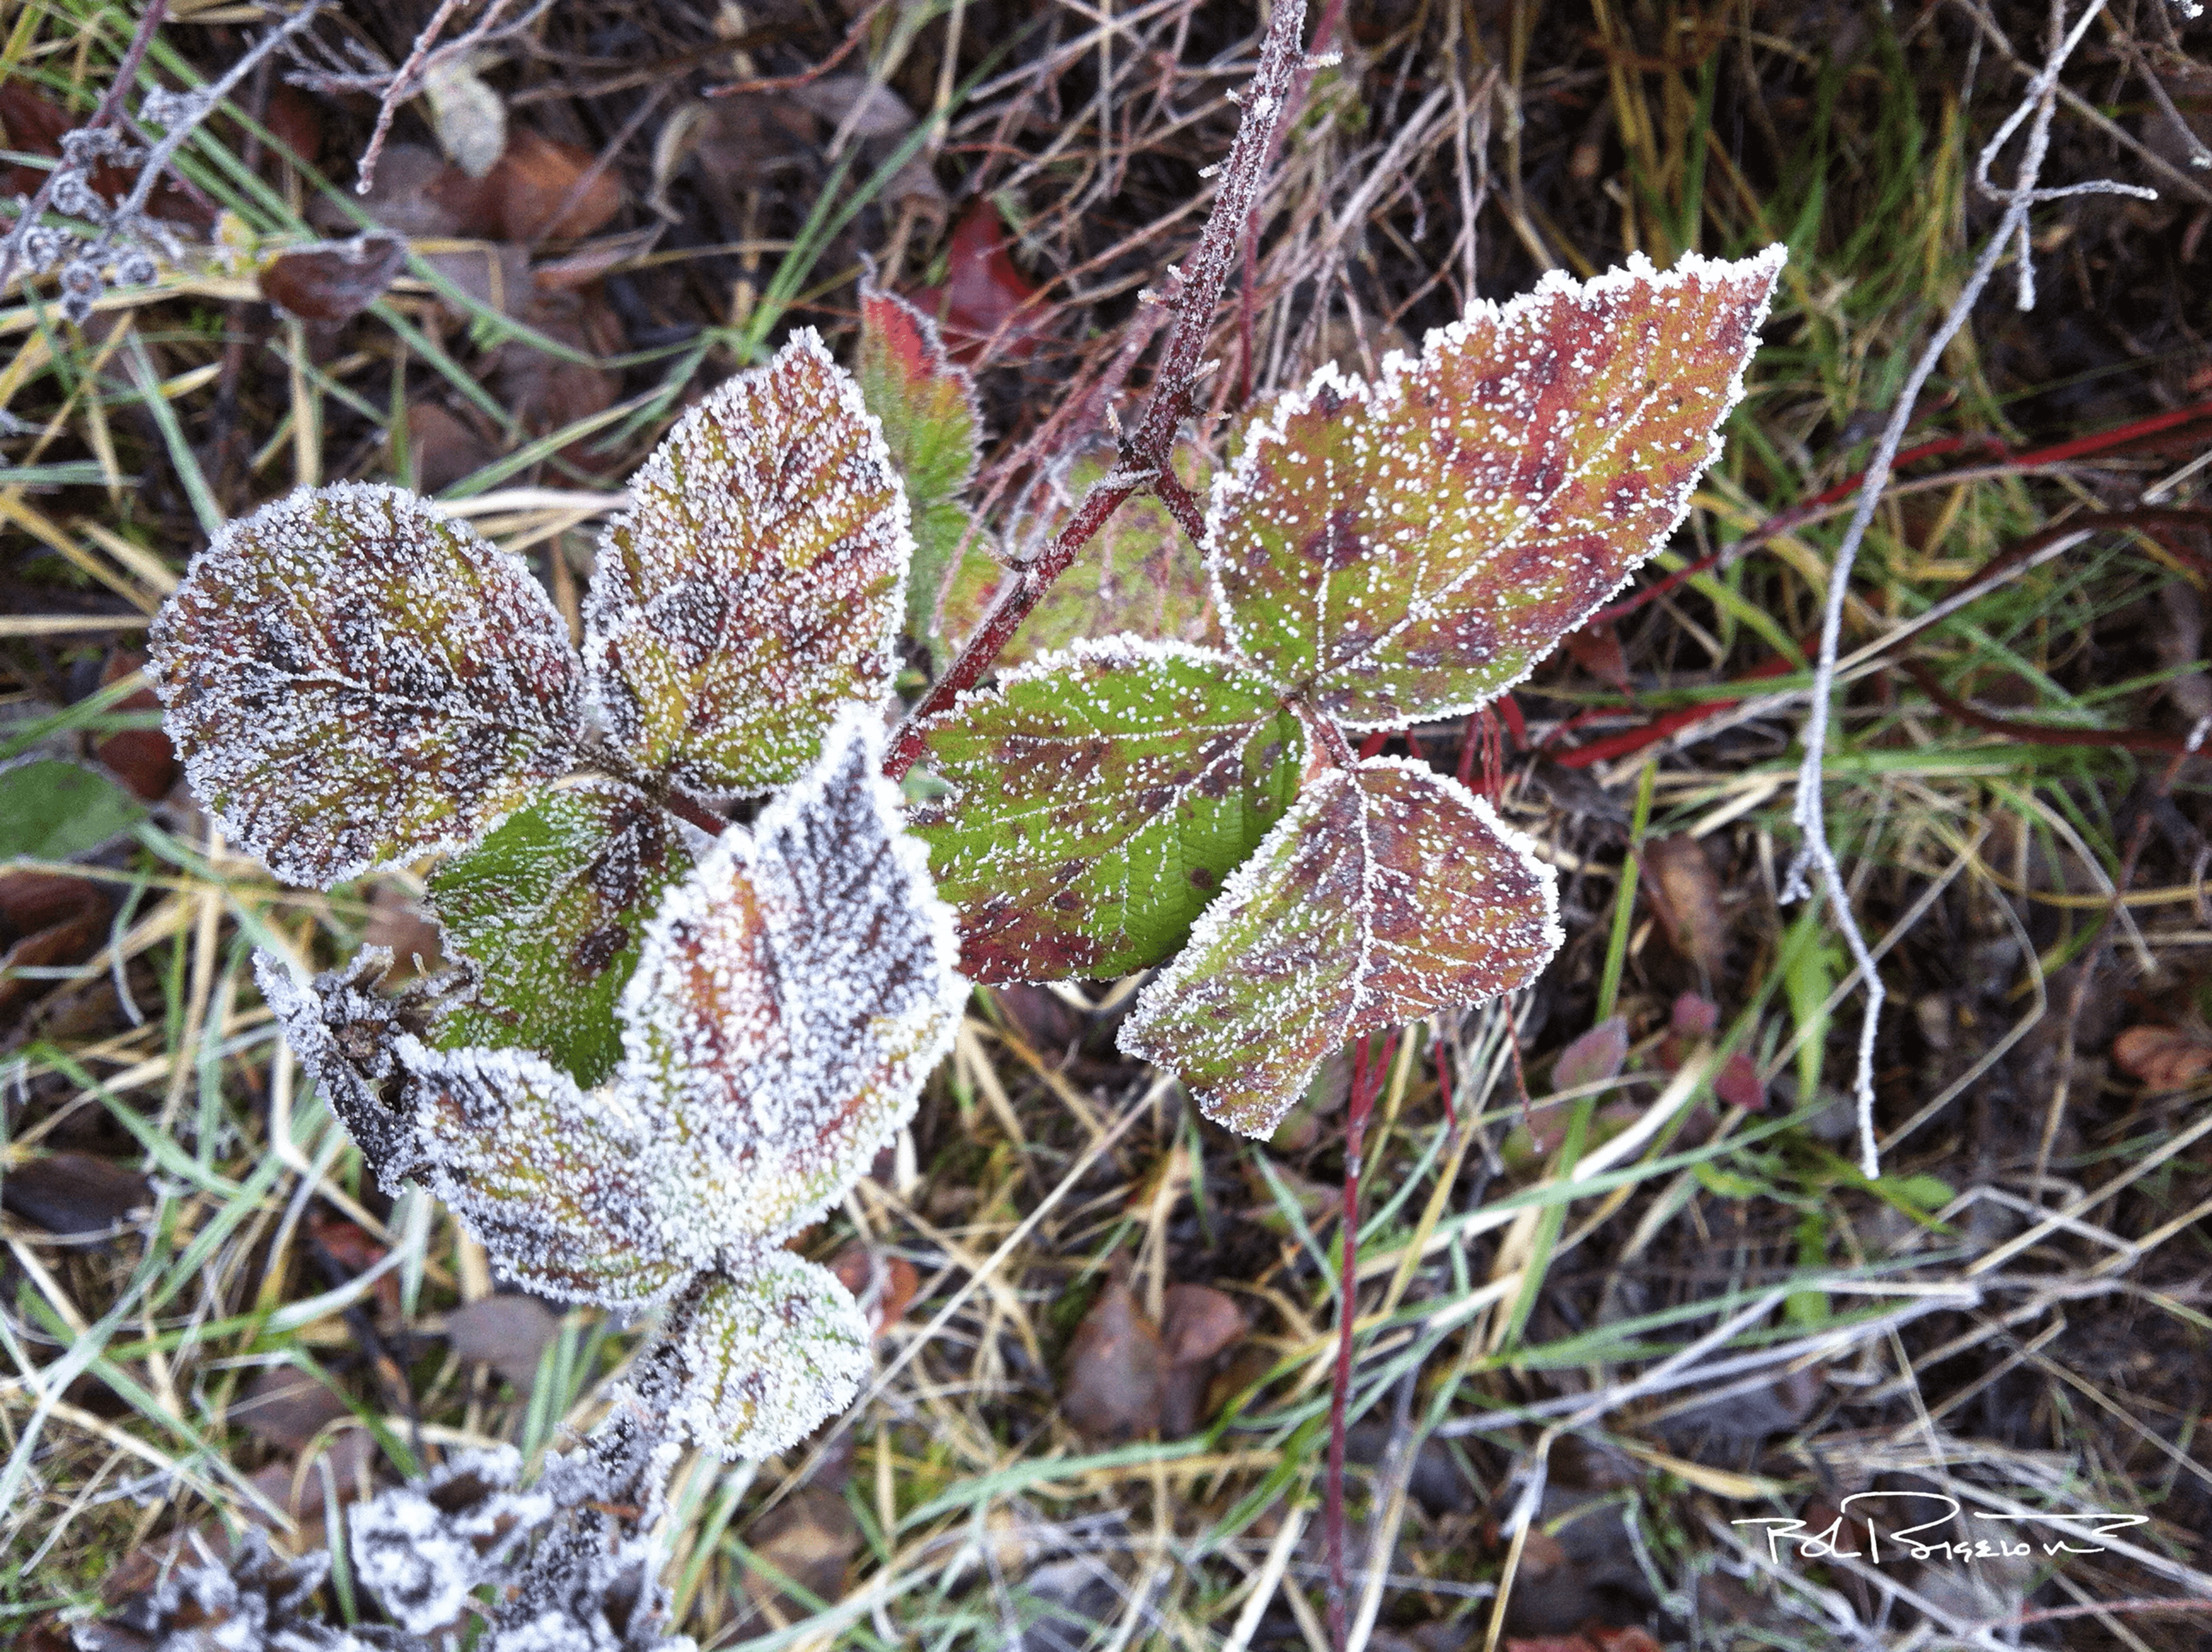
1146 452
2036 109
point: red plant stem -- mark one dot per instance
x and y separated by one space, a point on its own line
1366 1079
1145 452
1782 521
2122 739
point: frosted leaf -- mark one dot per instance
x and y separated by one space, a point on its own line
354 681
795 991
422 1549
1139 573
1410 550
757 584
926 405
549 910
766 1357
572 1190
345 1035
1099 798
1385 893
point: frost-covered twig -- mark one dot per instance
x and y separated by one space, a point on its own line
34 246
2035 112
1145 451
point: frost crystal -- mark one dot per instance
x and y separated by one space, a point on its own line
768 1356
1410 550
791 996
1385 893
796 990
354 681
756 584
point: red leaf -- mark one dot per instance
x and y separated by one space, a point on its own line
141 758
1695 1016
1596 1056
2164 1058
1596 649
985 295
1737 1084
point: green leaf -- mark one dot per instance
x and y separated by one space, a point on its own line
766 1355
354 681
571 1190
1100 798
1139 573
754 586
1408 550
50 809
926 405
794 991
550 909
1385 893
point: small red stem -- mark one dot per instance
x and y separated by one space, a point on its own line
1366 1079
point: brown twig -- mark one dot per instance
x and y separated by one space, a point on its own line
1145 452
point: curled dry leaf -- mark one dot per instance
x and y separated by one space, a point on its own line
354 681
754 586
1386 892
332 280
528 193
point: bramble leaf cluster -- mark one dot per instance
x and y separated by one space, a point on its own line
1380 555
665 1050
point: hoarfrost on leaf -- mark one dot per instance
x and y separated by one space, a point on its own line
757 584
925 404
766 1356
346 1035
796 990
570 1189
1099 799
547 911
1408 551
354 681
1385 893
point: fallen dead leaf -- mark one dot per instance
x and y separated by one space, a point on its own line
809 1538
1110 1387
883 1286
346 1244
1596 649
332 280
141 758
287 1408
1685 898
507 1332
1198 1325
396 924
528 192
2163 1058
444 446
985 296
1593 1058
47 920
68 1194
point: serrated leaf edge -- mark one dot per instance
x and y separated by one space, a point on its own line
1239 886
1232 480
687 902
196 765
600 599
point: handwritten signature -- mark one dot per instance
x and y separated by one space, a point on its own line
1905 1542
